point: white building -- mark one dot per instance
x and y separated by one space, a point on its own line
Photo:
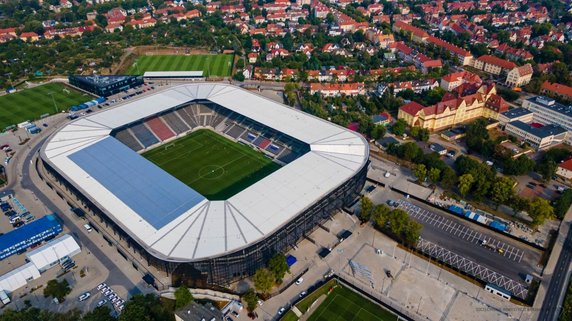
51 253
539 138
547 111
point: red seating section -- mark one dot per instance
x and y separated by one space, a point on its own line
159 128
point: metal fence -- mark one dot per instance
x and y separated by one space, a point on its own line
472 268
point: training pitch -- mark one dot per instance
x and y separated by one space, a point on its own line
211 65
30 104
212 165
344 304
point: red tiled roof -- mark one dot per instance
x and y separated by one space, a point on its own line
412 108
525 70
497 61
557 88
566 165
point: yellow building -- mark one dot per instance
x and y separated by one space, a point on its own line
452 110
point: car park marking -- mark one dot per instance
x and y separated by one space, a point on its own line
461 231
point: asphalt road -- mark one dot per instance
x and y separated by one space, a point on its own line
556 288
471 249
116 275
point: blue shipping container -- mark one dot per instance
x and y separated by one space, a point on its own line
498 226
22 238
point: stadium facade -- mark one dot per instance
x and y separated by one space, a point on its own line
174 228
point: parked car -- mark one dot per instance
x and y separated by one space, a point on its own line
101 302
281 311
101 286
299 281
84 296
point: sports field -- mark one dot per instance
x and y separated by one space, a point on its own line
344 304
30 104
212 165
211 65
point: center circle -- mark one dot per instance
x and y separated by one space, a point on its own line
211 171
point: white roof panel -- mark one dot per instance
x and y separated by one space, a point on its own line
213 228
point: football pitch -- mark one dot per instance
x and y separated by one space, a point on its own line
30 104
212 165
344 304
211 65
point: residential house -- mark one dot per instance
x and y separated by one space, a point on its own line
519 76
379 38
455 79
333 90
565 169
252 57
493 65
556 90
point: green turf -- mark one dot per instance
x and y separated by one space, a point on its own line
211 65
212 165
343 304
30 104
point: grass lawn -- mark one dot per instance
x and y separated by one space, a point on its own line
30 104
214 166
211 65
344 304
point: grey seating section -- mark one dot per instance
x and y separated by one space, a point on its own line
126 138
176 123
186 115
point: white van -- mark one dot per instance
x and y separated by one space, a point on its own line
87 227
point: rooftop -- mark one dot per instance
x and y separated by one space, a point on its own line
540 132
198 312
101 81
551 104
516 112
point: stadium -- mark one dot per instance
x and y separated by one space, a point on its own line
207 181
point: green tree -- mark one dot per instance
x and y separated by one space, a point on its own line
434 175
251 300
145 308
377 131
563 203
101 20
399 127
58 290
182 297
502 190
240 63
448 177
366 208
278 266
423 135
380 215
420 171
476 135
102 313
465 183
519 204
263 280
540 210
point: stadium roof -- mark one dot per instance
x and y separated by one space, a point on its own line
173 74
190 227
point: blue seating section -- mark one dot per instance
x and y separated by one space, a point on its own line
144 135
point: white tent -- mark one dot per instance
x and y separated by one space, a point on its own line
19 277
52 252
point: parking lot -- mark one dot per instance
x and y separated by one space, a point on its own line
462 231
